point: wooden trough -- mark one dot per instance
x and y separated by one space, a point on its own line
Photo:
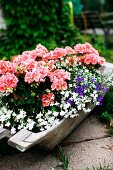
48 139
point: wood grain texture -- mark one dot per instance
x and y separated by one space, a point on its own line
4 133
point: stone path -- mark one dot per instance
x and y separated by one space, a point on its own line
88 145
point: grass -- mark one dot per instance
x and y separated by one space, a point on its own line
100 167
64 159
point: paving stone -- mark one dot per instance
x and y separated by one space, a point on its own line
90 153
28 161
89 129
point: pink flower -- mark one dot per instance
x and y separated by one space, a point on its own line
8 81
37 74
91 59
69 50
3 86
47 99
101 60
59 74
6 66
59 84
41 50
84 48
56 54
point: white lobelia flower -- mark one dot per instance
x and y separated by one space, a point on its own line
13 130
67 93
51 119
79 107
55 114
3 118
62 113
30 124
66 106
7 124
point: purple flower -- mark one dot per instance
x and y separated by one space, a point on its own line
100 104
107 89
92 80
70 101
79 90
81 94
80 79
100 98
84 87
98 86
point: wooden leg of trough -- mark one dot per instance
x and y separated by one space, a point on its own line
4 133
18 140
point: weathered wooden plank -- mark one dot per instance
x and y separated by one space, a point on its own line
4 133
17 140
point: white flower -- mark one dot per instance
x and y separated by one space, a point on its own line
67 94
7 124
39 115
30 124
55 114
51 119
62 113
13 130
66 106
79 107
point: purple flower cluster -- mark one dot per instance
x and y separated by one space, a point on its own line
80 79
99 99
71 102
82 85
80 89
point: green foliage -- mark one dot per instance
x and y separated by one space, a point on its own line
32 22
64 159
106 116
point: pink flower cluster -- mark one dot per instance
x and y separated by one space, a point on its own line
8 81
6 66
37 74
7 78
87 54
83 53
47 99
39 63
58 53
59 77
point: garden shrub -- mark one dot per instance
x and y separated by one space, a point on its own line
32 22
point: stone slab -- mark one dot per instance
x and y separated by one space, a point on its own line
89 129
81 156
91 153
28 161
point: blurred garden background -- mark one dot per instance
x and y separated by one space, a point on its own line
24 24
